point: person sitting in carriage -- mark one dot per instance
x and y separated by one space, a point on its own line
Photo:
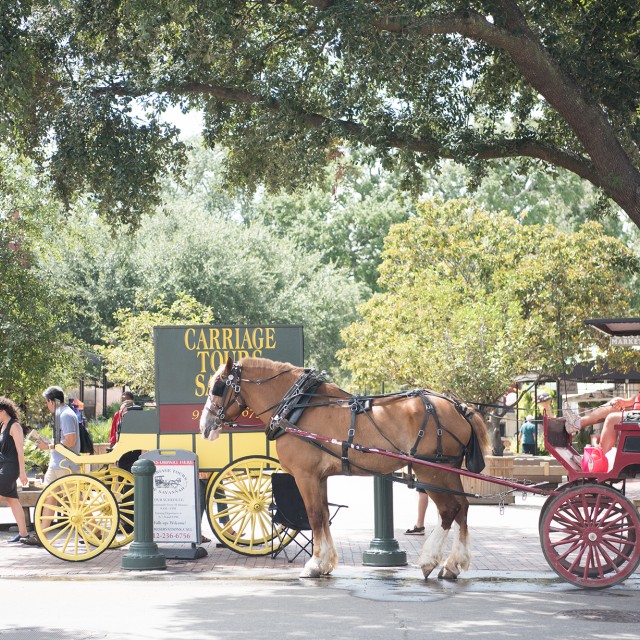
612 413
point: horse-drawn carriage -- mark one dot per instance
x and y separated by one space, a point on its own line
590 532
80 515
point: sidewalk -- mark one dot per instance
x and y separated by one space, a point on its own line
507 542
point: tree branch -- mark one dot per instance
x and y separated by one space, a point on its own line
617 174
357 132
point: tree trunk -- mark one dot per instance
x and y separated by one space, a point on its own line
494 432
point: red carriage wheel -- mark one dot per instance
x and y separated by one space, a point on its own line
590 536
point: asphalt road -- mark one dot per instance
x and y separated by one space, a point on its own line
509 592
357 604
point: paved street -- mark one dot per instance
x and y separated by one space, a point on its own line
509 592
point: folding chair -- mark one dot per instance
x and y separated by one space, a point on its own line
289 520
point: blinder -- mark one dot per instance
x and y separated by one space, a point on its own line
220 388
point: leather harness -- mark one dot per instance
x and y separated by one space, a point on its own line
304 394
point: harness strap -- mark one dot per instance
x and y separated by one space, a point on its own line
357 406
409 482
291 407
300 396
428 410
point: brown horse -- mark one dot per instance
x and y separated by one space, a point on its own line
282 394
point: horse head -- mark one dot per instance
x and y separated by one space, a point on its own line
224 401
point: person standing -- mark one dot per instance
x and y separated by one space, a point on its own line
12 463
126 401
127 404
528 436
67 433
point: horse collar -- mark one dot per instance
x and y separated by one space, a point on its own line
295 401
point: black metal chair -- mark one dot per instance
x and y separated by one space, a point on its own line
289 520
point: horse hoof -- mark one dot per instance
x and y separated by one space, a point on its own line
427 569
446 574
310 572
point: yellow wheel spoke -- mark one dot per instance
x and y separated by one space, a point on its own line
238 501
84 517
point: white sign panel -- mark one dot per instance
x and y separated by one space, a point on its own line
625 341
176 512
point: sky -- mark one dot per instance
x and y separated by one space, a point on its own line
190 124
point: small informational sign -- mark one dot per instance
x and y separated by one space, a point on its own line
176 506
625 341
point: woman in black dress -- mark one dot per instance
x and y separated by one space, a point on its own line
12 462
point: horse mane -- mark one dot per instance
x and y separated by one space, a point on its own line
275 367
271 365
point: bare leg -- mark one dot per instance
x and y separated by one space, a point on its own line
606 413
423 501
18 514
608 436
598 415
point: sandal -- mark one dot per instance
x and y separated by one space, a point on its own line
416 531
32 540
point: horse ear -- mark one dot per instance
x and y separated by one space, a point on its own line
229 365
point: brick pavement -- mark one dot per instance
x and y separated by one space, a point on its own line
495 548
501 542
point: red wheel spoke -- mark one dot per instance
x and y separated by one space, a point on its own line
590 535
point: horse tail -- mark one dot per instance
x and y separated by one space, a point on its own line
479 426
479 442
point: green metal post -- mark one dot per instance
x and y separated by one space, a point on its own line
384 550
143 553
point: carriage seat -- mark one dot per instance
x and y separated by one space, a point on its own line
558 443
629 434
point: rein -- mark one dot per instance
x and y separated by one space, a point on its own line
292 406
302 394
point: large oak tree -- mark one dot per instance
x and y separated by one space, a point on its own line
282 84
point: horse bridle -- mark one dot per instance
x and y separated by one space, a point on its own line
221 388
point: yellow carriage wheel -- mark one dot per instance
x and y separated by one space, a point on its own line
238 501
120 483
76 517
